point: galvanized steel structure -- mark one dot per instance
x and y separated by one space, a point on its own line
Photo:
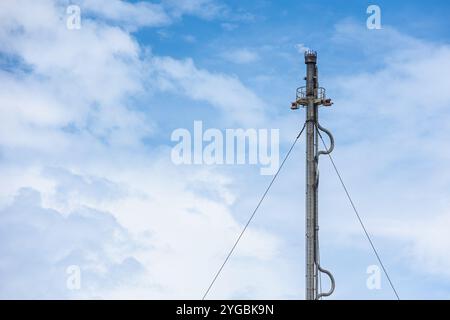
311 97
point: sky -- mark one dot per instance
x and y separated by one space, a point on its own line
92 205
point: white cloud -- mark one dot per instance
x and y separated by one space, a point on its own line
229 26
154 219
38 245
138 14
301 48
72 138
189 38
99 61
241 56
225 92
207 9
70 132
393 122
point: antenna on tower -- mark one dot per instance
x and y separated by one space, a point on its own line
311 97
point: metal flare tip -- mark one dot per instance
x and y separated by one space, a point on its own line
310 53
310 56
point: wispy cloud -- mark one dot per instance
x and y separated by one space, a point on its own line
241 56
207 9
134 15
301 48
227 93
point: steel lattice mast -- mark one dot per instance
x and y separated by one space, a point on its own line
311 97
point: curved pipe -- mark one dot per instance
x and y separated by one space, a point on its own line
325 152
333 284
330 136
328 273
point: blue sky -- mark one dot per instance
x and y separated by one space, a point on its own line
85 145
